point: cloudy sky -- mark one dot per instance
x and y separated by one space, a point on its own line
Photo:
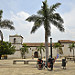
19 10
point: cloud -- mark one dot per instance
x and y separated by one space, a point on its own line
69 18
70 22
69 25
23 28
20 16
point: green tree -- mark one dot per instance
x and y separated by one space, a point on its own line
24 50
59 48
72 46
6 48
45 17
41 48
5 24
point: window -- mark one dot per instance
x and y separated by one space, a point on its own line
14 40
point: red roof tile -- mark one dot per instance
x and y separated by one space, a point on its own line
36 44
66 41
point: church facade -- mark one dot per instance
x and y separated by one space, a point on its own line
17 41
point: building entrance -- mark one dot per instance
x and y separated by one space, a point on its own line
36 54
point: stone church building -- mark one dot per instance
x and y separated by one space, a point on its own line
17 41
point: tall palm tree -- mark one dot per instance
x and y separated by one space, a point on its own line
45 17
5 24
72 46
41 48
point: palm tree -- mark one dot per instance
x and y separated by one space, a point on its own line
5 24
45 17
40 48
59 49
24 50
72 46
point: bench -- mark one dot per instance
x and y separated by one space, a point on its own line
71 58
25 61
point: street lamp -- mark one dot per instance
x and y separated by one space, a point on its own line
51 46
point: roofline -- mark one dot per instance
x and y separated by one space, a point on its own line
15 36
36 44
66 41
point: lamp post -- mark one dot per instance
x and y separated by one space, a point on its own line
51 46
51 54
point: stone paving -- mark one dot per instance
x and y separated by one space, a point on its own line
8 68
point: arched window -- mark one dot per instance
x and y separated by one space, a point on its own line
14 40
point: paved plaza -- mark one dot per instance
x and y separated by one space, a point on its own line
8 68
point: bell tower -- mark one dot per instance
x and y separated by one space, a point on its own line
16 40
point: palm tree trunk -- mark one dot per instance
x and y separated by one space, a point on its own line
41 54
46 46
24 56
73 52
73 56
0 56
1 34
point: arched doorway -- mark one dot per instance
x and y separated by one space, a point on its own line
36 54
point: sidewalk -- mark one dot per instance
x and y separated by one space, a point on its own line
7 68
